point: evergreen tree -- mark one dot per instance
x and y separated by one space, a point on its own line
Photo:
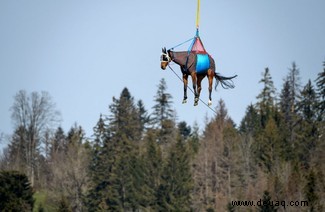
97 170
287 121
143 116
16 193
250 124
153 169
124 117
162 109
308 103
58 144
293 79
267 147
176 186
266 98
163 113
184 130
310 191
119 177
320 83
17 150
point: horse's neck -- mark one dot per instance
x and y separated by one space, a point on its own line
180 58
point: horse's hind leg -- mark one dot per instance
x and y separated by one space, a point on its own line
210 78
185 80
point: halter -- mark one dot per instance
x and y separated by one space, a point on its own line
169 59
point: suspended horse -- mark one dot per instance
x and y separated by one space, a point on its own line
198 64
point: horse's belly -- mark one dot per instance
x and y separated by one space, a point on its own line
202 63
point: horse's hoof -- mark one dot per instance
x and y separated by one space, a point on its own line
195 103
184 101
209 103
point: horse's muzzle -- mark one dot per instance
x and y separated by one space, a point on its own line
163 65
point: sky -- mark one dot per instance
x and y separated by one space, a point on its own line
85 52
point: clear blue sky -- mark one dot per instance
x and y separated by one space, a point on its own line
85 52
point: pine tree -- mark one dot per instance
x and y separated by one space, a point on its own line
153 169
266 99
287 121
163 114
320 89
143 116
294 82
58 144
119 177
250 124
17 150
16 193
308 130
310 191
176 186
97 170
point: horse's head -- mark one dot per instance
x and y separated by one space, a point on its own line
164 58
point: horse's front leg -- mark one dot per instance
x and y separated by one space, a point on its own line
210 79
185 80
194 80
199 88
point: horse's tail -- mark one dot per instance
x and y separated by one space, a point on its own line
226 82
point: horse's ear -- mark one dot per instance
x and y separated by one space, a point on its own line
164 50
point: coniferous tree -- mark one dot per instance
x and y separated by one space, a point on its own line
143 116
16 193
265 140
17 150
153 169
294 85
320 89
175 189
97 170
118 188
308 129
310 191
163 114
250 124
266 99
58 144
287 121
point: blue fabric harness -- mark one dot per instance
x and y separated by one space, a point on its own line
202 63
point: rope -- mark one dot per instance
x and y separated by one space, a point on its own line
191 90
180 44
198 14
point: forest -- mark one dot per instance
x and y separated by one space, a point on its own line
137 160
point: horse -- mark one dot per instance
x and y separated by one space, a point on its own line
187 62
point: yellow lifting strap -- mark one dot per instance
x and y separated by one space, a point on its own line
198 14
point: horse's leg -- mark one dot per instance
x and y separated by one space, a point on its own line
199 79
185 77
210 78
194 80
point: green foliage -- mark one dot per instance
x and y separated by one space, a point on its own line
149 162
16 194
175 190
310 191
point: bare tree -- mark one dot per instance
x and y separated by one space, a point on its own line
35 113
